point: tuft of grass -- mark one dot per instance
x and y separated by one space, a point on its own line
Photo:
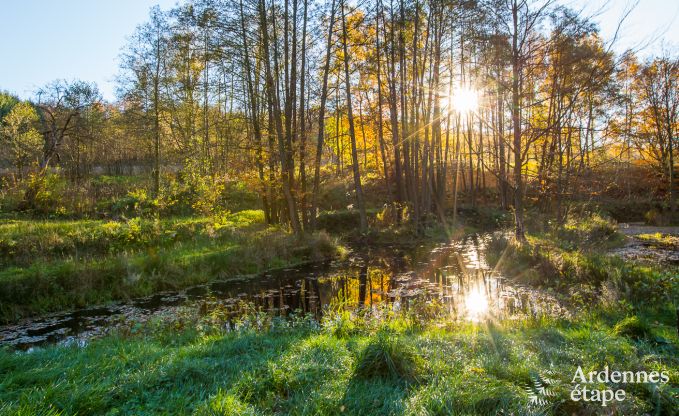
30 410
591 231
659 239
633 327
225 404
388 356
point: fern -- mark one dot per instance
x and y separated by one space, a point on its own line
540 392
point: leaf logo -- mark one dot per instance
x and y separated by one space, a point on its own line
540 392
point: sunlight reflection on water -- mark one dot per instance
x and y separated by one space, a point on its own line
455 276
476 304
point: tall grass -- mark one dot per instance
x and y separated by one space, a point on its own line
301 368
574 262
54 265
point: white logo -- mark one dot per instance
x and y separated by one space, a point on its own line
581 390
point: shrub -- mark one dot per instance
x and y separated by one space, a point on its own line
485 217
240 196
657 217
590 230
322 246
136 203
495 248
338 221
45 193
392 214
627 211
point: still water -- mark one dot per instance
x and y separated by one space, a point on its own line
454 274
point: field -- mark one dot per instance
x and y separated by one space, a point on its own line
380 361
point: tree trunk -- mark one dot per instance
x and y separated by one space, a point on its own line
278 124
352 133
519 230
321 119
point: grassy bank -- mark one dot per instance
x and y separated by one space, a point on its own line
396 364
53 265
574 263
383 362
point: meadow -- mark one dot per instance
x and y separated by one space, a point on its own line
381 360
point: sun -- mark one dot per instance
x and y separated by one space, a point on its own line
464 100
476 304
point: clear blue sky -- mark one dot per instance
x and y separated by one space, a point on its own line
43 40
652 24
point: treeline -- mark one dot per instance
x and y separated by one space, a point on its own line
436 102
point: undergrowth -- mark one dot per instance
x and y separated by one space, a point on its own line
55 265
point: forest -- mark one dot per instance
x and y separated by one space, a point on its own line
421 207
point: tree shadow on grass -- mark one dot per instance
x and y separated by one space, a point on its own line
136 376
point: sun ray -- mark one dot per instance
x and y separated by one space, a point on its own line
464 100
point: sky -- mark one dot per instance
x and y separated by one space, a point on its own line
43 40
651 24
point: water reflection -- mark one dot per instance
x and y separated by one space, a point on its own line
454 275
476 304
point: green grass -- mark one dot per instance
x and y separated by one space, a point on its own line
361 364
54 265
574 263
22 242
659 239
389 367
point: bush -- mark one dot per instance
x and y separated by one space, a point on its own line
190 193
342 221
137 203
657 217
322 246
45 193
239 196
496 248
627 211
485 217
392 214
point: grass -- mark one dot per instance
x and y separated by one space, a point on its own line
574 263
22 242
661 240
386 363
387 367
388 356
54 265
633 327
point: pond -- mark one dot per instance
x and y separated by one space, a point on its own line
455 275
